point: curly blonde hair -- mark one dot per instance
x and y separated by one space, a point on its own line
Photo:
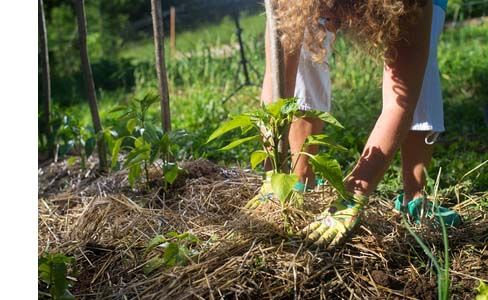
373 24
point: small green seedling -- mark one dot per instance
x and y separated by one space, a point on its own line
268 126
149 145
53 271
443 276
177 250
74 138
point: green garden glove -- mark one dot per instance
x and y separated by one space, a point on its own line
414 210
335 223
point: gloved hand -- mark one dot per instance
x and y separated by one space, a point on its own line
266 193
335 223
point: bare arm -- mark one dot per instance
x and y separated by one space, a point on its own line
402 82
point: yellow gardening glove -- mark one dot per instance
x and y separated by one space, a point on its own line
266 193
333 225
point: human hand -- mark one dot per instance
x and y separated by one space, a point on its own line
333 225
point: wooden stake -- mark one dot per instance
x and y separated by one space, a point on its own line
277 73
277 60
172 27
90 85
46 78
158 34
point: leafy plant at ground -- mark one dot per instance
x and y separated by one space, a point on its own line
53 271
150 145
269 125
177 250
74 138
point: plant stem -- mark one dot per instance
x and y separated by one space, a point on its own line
147 174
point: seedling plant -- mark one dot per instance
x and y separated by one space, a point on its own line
268 125
178 248
72 138
149 145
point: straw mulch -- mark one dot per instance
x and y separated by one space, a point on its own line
106 226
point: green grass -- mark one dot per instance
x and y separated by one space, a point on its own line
215 35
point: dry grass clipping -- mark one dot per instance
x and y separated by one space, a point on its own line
107 225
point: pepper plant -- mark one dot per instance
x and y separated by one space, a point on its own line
268 125
146 144
74 138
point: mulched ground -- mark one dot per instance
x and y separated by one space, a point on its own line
106 226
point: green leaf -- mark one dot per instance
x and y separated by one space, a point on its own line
131 125
240 141
274 109
134 174
482 290
323 140
330 169
154 153
153 264
115 152
324 116
257 157
164 143
238 121
156 241
137 155
282 184
171 172
89 146
171 254
72 160
118 108
139 142
151 134
290 107
189 237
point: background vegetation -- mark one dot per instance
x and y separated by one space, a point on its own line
205 69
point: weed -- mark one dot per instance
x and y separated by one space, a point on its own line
443 278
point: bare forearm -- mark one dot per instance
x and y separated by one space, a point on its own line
402 82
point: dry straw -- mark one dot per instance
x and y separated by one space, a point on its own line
243 255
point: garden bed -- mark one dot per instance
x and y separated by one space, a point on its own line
107 226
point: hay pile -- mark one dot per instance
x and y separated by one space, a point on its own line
106 226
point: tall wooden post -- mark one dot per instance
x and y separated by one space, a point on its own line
46 78
277 60
172 29
158 34
277 71
90 85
